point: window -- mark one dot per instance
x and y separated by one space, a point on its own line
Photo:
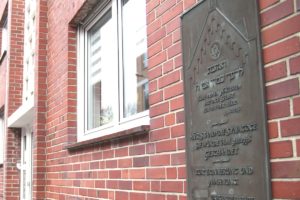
112 69
29 51
4 37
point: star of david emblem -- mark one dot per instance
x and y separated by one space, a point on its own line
215 51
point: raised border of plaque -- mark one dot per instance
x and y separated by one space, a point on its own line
226 128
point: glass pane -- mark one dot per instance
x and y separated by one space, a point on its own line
4 37
134 57
101 72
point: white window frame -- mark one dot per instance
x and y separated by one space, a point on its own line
121 123
4 37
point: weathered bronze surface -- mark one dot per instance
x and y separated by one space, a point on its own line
227 148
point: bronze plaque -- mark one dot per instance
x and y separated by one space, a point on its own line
226 137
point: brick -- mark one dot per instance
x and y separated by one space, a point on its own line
154 26
295 65
115 174
137 150
155 186
125 185
154 49
290 127
278 12
273 130
178 159
167 41
156 36
282 149
157 59
151 5
166 146
176 35
288 169
156 173
281 50
168 66
173 91
125 163
266 3
181 144
122 195
157 123
137 196
172 186
178 131
160 160
141 185
180 117
177 103
182 198
159 109
155 196
151 17
286 189
156 97
174 50
169 79
170 119
165 6
187 4
275 72
111 163
112 184
121 152
296 105
171 173
182 172
282 30
152 86
173 25
279 109
172 13
150 148
107 154
137 173
172 197
283 89
141 161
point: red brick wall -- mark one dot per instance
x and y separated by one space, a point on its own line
280 22
150 166
153 166
14 100
39 124
15 53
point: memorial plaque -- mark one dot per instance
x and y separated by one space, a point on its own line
227 145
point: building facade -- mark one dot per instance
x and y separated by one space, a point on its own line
92 98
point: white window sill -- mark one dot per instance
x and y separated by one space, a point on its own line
22 116
139 130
